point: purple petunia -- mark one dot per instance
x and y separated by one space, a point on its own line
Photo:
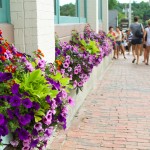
34 143
27 103
15 88
15 101
24 120
36 105
49 131
2 119
5 76
10 114
3 130
23 134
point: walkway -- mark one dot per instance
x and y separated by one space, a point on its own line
115 116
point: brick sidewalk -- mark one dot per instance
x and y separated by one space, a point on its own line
114 116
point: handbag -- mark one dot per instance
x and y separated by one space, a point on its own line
139 33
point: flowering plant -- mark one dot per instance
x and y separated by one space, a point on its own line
77 58
73 64
32 100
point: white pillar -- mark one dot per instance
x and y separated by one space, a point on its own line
105 14
92 14
45 28
34 26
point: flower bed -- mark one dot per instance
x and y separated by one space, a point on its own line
34 94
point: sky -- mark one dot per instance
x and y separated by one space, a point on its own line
62 2
138 1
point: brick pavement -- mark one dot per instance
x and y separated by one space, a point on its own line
114 116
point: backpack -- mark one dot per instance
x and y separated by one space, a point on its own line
139 33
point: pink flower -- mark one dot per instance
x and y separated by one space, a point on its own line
26 148
66 65
14 143
71 101
76 71
75 84
38 126
64 94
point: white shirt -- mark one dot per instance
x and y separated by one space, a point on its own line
148 36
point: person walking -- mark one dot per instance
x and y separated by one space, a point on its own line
112 35
147 42
137 30
144 46
129 39
119 42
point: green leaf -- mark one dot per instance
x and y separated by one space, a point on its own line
37 118
64 81
39 113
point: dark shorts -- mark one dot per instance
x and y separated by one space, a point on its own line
136 41
118 43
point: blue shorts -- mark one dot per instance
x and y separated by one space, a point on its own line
118 43
136 41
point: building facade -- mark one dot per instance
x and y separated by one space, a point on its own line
113 18
31 24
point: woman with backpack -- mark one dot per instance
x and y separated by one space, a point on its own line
137 31
147 42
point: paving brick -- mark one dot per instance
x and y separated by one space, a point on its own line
115 115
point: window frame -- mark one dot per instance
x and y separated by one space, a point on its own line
5 11
100 11
67 19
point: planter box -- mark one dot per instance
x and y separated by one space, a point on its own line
96 75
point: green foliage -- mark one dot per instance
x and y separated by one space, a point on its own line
68 10
36 84
112 4
64 81
139 9
91 47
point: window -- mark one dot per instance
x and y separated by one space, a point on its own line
55 7
0 3
68 8
100 10
70 11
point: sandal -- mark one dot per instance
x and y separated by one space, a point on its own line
133 61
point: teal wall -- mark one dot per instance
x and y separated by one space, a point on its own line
4 11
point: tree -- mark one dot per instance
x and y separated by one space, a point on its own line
68 10
112 4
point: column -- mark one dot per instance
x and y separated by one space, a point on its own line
92 14
105 17
34 26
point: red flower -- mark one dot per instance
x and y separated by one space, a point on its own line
0 32
2 50
3 58
19 55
